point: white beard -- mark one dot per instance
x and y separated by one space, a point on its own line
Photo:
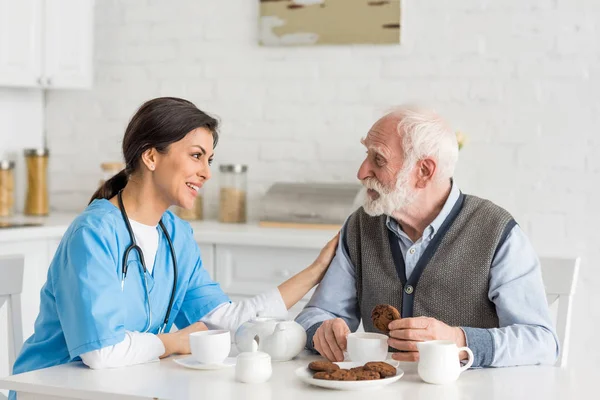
389 200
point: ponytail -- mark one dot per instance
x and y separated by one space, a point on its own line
111 187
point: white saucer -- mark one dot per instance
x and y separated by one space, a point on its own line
189 362
306 375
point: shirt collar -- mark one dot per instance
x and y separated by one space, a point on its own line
432 228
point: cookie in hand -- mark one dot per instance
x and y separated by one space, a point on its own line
382 315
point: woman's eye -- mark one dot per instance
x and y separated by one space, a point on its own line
196 155
210 161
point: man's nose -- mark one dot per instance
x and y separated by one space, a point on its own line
364 171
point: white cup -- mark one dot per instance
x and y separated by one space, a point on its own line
364 347
439 362
210 347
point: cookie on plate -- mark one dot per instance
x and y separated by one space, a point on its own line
366 375
384 369
323 366
343 375
382 315
357 369
323 375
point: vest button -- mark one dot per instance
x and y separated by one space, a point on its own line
409 289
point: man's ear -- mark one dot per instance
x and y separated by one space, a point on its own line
426 169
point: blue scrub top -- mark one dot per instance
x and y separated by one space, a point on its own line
82 306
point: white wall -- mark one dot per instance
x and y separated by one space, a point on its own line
519 77
21 127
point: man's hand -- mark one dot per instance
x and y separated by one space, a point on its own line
405 333
330 339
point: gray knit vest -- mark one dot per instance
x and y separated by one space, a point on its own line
451 279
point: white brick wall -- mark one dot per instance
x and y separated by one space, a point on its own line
520 77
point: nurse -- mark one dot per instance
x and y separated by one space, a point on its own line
112 309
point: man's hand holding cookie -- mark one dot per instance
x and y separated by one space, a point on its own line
330 339
405 333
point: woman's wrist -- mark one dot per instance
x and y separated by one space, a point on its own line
317 271
170 342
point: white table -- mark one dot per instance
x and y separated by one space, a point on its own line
168 380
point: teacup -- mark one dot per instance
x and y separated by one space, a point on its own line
439 362
364 347
210 347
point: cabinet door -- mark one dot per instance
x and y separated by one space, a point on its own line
250 270
20 42
207 254
68 31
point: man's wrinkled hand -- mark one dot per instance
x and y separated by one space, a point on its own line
330 339
405 333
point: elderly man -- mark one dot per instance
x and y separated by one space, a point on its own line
456 266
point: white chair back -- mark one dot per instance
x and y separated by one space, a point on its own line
11 285
560 280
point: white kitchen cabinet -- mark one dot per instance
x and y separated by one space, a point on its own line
46 43
68 28
207 254
20 42
52 247
250 270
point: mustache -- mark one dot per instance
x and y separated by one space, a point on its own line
374 184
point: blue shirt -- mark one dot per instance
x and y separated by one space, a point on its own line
526 334
82 305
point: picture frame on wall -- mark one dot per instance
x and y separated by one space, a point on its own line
329 22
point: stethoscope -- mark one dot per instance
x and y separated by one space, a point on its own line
134 246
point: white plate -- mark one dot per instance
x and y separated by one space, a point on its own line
306 375
189 362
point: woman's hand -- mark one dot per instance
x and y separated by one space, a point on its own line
179 342
327 253
298 285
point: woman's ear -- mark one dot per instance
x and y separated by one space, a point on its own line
149 159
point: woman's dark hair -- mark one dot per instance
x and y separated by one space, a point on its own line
158 123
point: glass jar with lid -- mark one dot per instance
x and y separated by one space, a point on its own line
36 202
232 196
196 212
110 169
7 188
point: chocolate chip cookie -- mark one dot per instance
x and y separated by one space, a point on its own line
382 315
343 375
366 375
384 369
357 369
323 375
323 366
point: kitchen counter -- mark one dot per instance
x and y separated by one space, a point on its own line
52 226
55 225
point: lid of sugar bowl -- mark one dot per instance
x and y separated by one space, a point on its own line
254 354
